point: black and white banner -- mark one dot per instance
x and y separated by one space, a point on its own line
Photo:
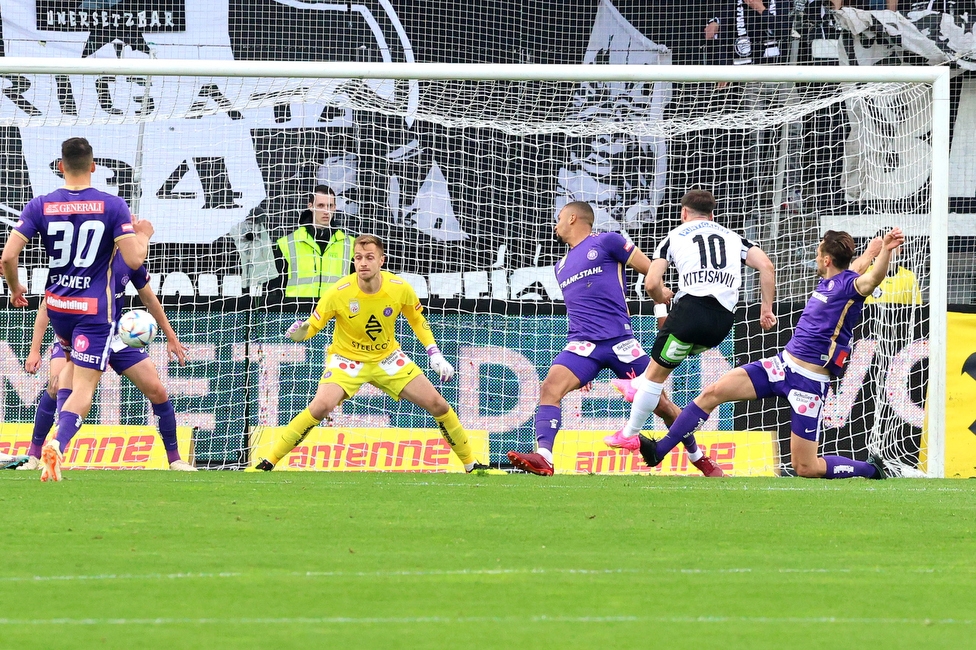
230 150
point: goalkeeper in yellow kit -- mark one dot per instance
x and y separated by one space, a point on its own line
365 306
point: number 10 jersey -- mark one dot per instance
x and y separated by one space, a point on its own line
708 258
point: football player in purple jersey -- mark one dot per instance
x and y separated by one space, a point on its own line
132 363
80 228
591 277
801 373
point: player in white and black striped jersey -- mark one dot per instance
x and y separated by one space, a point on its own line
708 258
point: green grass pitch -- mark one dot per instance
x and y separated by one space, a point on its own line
309 560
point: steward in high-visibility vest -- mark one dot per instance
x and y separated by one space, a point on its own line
315 255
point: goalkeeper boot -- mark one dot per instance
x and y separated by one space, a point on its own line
620 441
264 465
12 462
182 466
880 466
626 388
532 463
708 467
648 450
30 463
484 470
51 459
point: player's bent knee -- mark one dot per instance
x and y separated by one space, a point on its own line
157 394
710 397
319 410
553 391
438 406
806 470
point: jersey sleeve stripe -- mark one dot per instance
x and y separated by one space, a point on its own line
125 236
20 234
661 252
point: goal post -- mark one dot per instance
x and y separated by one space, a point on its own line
628 138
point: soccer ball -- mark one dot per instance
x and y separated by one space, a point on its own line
137 328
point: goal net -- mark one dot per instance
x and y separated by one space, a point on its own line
462 178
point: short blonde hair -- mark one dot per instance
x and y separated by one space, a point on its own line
366 240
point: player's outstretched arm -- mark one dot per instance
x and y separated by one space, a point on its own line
303 330
639 261
41 320
757 259
135 249
174 346
869 281
8 260
654 282
861 264
421 328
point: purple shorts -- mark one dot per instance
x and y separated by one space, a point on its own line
805 391
624 357
87 341
120 358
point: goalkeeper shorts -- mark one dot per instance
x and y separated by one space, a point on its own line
390 375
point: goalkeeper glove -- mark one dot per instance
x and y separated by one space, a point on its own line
297 331
439 364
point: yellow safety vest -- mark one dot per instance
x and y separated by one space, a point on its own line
311 270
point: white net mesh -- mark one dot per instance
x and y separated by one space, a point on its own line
463 180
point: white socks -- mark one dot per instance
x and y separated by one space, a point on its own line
645 401
546 453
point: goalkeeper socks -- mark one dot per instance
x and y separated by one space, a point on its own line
68 425
691 418
548 421
62 397
43 421
455 435
293 434
840 467
167 429
645 401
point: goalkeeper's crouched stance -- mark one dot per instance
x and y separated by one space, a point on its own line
365 306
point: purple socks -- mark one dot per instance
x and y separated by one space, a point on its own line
167 429
682 430
548 420
840 467
43 421
68 425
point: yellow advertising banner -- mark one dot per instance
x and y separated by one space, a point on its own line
105 446
738 453
339 449
960 435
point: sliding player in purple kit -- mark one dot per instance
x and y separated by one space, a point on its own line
80 228
819 350
132 363
591 276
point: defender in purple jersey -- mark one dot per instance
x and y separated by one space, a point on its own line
132 363
80 227
591 277
801 373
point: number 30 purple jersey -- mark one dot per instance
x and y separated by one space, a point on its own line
78 229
